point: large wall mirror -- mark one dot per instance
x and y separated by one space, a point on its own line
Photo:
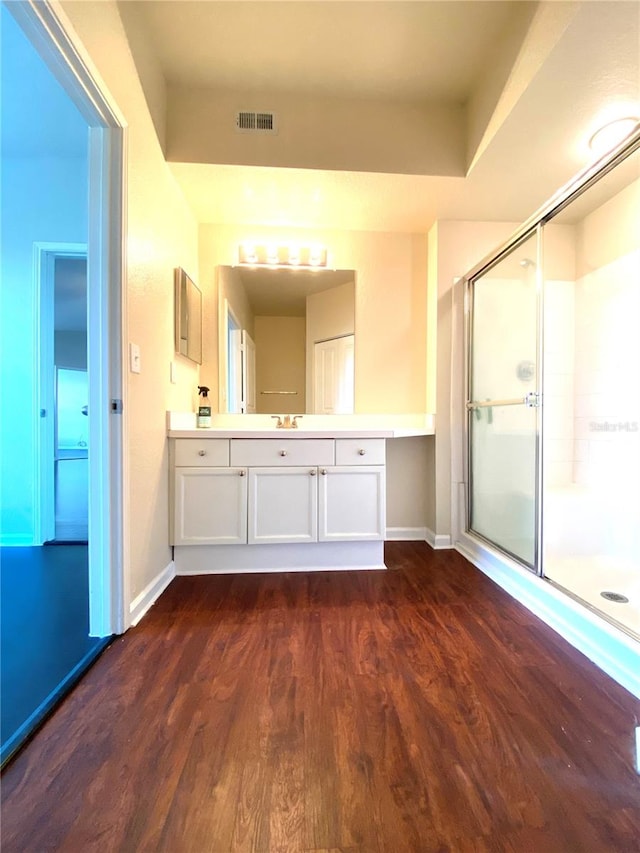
286 340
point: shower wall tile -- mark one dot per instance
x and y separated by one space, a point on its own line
607 387
558 422
558 384
557 473
558 449
581 447
559 354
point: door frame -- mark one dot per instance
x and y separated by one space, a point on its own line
44 258
52 35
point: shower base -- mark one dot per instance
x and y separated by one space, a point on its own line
588 577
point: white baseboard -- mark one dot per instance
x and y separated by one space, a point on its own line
405 534
292 557
437 541
141 603
610 649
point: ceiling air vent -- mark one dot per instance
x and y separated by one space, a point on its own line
249 121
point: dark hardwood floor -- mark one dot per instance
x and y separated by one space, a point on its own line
419 709
44 633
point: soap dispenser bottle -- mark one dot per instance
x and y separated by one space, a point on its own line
203 418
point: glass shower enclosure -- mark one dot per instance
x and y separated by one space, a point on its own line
553 393
503 401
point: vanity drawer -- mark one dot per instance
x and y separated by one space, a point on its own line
260 452
201 452
360 451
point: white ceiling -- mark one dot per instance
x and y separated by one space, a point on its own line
408 50
558 81
577 64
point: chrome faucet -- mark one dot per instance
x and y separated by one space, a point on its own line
288 422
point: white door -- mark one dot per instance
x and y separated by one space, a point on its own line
283 505
210 506
333 369
351 503
248 373
234 365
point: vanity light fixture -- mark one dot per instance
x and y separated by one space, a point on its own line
248 254
288 255
316 254
610 135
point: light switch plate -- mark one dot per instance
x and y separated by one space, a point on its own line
134 358
173 372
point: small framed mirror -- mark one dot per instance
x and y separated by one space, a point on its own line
188 313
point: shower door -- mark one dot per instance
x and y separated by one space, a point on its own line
502 403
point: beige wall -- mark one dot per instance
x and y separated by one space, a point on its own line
409 483
361 135
280 364
390 306
609 232
161 235
330 314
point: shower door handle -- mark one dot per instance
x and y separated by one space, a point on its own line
489 404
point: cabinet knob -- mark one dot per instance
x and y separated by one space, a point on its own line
362 451
202 453
313 472
324 471
242 472
283 453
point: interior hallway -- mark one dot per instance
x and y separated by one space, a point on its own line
418 709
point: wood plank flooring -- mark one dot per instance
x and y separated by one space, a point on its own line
419 709
44 633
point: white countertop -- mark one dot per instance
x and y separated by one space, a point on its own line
183 425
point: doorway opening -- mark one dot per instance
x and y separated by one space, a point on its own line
60 348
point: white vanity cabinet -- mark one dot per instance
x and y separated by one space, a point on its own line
351 496
294 503
283 486
351 503
283 505
209 497
210 506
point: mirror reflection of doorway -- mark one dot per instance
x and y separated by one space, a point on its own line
333 376
234 364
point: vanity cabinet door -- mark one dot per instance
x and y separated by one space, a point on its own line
210 506
283 505
351 502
